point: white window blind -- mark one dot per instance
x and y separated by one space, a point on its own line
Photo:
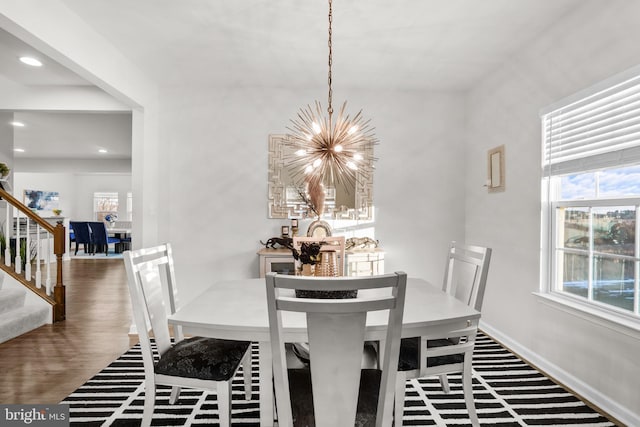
594 130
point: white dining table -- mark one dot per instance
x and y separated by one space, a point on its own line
120 232
237 309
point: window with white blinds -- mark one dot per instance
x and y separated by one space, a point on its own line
591 199
597 130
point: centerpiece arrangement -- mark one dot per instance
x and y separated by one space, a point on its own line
111 219
309 256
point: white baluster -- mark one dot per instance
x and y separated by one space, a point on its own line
7 236
27 252
47 283
38 261
18 261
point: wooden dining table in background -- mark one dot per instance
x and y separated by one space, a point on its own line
237 309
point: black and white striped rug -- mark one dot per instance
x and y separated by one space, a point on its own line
507 391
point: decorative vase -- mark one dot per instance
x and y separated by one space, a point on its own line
327 265
307 270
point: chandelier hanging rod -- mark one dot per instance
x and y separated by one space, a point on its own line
330 80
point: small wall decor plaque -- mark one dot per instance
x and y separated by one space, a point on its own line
495 170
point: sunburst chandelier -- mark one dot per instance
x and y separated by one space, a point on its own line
330 149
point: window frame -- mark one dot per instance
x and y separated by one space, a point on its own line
99 215
552 170
555 283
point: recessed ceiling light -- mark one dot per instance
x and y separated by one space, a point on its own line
30 61
19 150
102 150
18 124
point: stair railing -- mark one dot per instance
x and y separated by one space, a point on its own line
41 240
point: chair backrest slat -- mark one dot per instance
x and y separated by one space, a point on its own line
329 283
335 306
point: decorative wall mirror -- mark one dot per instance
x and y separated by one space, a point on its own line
285 200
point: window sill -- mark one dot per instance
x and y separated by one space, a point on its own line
617 322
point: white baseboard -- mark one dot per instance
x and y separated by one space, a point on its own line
585 391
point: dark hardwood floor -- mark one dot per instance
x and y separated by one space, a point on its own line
47 364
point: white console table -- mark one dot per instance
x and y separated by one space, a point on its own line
359 262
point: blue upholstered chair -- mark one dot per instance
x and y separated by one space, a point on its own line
100 239
81 235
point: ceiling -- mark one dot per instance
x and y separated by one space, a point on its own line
59 135
73 135
409 44
436 44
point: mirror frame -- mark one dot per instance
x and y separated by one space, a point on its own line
284 202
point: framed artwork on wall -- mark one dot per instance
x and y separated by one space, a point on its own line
42 202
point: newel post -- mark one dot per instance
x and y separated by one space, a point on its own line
59 237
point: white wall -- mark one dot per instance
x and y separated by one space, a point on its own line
216 189
73 165
581 50
6 139
76 190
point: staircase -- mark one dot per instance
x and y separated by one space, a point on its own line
17 316
32 281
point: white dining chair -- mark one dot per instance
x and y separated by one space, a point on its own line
194 362
336 332
452 351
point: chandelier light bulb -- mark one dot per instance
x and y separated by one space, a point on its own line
353 129
316 128
316 163
308 169
357 156
352 166
301 152
338 149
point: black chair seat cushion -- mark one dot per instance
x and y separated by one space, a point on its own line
408 360
302 398
203 358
